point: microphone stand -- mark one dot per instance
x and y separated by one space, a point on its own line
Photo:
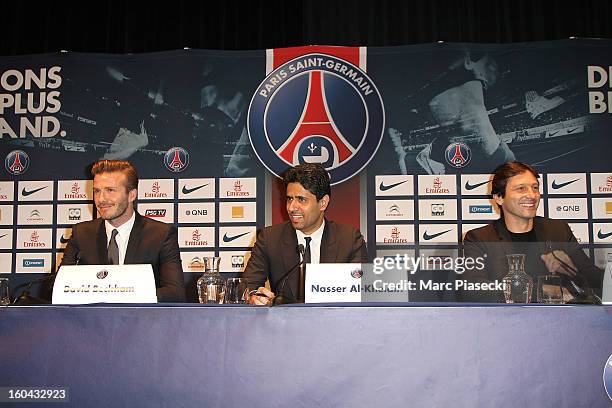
280 299
25 298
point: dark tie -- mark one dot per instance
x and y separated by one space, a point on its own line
307 250
113 249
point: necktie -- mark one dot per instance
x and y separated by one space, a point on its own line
113 249
307 250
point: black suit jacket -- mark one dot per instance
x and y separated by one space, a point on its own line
275 253
151 242
495 241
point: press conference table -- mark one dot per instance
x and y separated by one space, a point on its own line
369 355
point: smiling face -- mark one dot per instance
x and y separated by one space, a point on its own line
305 211
114 203
520 202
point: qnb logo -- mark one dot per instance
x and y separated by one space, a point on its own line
568 208
17 162
196 212
176 159
316 109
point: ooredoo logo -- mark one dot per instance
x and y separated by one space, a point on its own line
316 109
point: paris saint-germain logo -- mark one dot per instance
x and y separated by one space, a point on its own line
316 109
458 154
17 162
176 159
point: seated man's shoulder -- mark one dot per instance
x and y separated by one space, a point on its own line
552 222
275 229
151 226
341 230
88 226
485 233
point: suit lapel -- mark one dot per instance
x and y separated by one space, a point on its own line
290 255
102 244
134 241
329 246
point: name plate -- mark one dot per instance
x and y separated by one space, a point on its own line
333 282
83 284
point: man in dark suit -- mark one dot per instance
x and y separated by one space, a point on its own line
122 236
275 252
549 244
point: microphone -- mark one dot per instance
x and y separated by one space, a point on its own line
302 280
25 298
280 299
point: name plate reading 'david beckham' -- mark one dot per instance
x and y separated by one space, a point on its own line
83 284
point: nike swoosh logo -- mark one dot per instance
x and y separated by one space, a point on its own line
553 133
63 240
26 193
384 187
428 237
230 239
556 186
601 235
191 190
469 186
2 236
572 130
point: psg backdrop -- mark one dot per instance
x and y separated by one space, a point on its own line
409 135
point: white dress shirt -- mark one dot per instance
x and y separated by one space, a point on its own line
123 236
315 244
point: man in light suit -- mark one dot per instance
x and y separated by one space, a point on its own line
122 236
275 252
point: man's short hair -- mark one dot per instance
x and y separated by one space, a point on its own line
122 166
504 172
313 177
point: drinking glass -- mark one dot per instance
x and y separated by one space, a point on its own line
5 297
236 290
549 289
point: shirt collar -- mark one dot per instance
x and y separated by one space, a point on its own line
316 236
123 230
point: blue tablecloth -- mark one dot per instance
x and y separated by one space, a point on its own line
310 356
